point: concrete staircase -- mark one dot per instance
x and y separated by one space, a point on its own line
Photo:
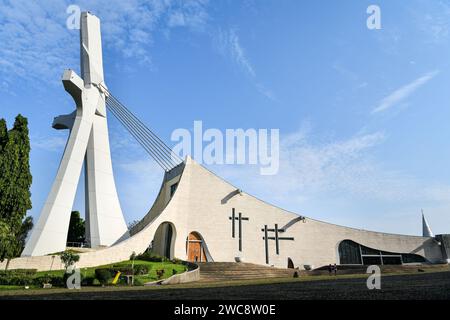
230 271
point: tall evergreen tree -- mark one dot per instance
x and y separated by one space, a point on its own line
76 228
3 134
3 168
23 176
15 183
9 173
4 228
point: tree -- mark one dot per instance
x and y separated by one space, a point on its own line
25 228
6 242
12 242
3 134
15 183
23 179
15 197
76 228
69 258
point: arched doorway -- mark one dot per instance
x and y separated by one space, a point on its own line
195 248
290 264
164 240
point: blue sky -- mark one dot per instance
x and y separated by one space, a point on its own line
363 114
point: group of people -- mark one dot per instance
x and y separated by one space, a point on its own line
332 268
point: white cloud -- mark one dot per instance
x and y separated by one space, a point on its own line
53 144
228 43
432 20
37 46
404 92
341 169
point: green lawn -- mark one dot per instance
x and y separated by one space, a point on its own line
153 266
3 287
138 280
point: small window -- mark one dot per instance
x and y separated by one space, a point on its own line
368 260
412 258
392 260
369 251
173 188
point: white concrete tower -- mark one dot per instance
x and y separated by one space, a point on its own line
89 144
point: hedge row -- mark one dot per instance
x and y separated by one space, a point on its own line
18 272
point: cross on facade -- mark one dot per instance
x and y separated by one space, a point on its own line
239 218
276 237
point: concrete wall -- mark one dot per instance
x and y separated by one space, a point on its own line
203 203
185 277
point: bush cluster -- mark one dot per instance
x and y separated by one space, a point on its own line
104 275
55 280
29 278
160 273
17 277
16 280
177 261
139 269
30 272
151 257
24 277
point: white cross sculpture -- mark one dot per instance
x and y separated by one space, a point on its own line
89 144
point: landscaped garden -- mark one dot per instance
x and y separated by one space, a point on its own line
142 269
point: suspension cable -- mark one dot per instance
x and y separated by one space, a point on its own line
151 143
139 139
157 151
156 138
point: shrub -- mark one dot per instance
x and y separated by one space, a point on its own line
160 273
177 261
174 272
151 257
125 270
88 281
30 272
141 269
56 281
103 275
16 279
69 258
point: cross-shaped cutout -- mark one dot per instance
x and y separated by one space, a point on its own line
277 239
239 218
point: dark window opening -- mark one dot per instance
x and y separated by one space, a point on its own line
173 188
351 252
412 258
392 260
168 243
368 260
369 251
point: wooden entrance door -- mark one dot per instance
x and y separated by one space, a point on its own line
196 252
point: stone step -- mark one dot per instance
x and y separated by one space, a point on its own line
229 271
